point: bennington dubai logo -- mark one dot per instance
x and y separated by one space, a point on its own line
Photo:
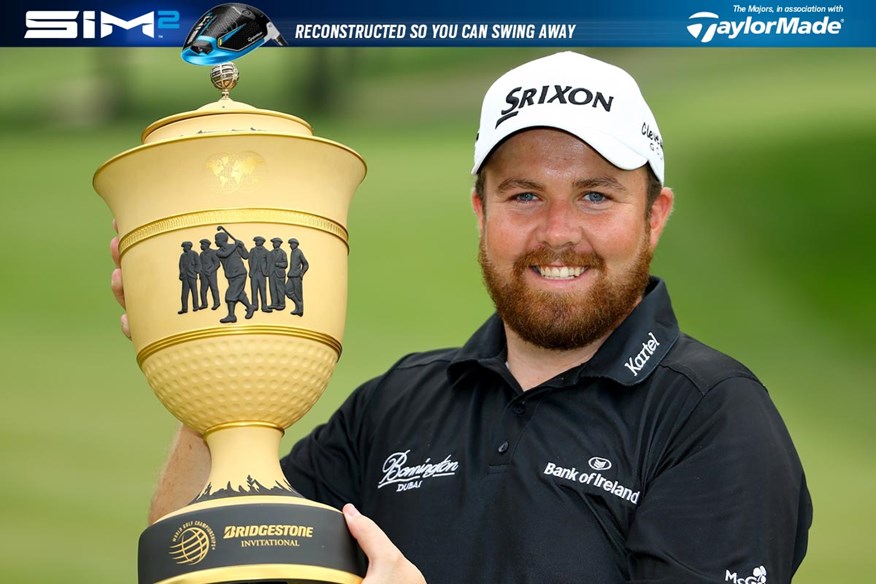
191 542
518 98
396 472
705 25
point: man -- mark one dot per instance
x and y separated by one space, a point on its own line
189 268
231 256
258 273
209 270
298 266
277 275
578 436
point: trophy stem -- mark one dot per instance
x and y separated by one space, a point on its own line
245 461
232 534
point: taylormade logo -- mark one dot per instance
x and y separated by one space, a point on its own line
705 25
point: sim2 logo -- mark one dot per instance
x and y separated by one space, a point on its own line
706 26
91 24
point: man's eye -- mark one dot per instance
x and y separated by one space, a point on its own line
525 197
595 198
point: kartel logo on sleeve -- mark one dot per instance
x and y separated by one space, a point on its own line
397 471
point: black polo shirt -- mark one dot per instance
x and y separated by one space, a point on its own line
659 460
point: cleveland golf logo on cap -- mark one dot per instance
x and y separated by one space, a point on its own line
519 98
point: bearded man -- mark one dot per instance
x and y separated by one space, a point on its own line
578 436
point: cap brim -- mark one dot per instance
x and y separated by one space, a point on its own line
606 145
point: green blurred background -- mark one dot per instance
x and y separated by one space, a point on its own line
768 257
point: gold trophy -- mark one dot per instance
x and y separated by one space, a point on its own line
228 216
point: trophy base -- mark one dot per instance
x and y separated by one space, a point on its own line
250 538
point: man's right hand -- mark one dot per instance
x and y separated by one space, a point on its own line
188 464
116 279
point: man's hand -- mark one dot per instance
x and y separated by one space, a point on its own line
386 564
116 279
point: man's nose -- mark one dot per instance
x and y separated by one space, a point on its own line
560 227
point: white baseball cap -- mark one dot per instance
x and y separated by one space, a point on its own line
599 103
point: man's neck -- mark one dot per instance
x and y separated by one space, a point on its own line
532 365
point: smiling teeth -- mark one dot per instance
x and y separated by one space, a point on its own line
563 273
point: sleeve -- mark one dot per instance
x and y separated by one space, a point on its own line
729 503
325 466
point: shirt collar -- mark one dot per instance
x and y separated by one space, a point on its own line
628 356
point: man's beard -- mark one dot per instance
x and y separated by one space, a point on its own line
571 320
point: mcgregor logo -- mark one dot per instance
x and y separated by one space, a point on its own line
191 543
759 576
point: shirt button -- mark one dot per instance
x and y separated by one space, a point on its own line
503 448
519 409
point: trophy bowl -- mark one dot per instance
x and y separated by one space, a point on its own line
228 217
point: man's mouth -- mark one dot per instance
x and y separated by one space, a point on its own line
559 272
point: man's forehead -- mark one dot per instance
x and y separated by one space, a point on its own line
546 148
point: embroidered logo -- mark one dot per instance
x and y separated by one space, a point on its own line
397 472
636 363
599 463
593 479
758 576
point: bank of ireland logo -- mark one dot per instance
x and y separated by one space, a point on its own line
191 543
599 463
703 20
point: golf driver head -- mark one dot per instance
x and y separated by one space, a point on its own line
227 32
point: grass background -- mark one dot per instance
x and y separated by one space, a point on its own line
768 257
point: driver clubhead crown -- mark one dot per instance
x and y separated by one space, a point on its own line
227 32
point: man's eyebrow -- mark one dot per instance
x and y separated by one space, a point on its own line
513 184
584 183
600 181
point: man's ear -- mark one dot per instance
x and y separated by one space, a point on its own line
478 205
660 211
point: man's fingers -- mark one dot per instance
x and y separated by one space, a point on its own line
386 564
371 538
117 287
116 279
119 293
114 249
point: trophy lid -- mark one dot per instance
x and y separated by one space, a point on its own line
224 115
